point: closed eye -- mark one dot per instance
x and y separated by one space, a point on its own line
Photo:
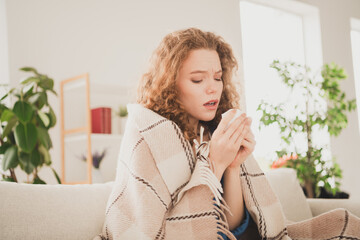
196 81
218 79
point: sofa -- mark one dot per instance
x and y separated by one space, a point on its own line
78 211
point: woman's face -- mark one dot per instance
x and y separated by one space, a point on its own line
200 85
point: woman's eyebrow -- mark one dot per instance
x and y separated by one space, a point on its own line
203 71
198 71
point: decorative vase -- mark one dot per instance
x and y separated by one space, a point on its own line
118 125
96 176
123 124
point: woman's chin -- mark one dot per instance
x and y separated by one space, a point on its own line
207 118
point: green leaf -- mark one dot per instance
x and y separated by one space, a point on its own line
9 126
46 83
23 111
37 180
11 138
39 99
8 179
25 162
30 160
29 69
26 136
51 90
44 137
52 117
39 121
45 154
2 108
327 186
44 118
34 98
31 80
6 115
4 147
35 158
56 175
3 97
28 94
43 100
10 159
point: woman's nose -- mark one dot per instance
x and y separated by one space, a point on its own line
211 87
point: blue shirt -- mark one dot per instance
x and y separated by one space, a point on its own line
241 228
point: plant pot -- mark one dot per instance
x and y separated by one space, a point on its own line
119 124
326 194
96 176
123 121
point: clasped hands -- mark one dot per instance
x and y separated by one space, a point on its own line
231 145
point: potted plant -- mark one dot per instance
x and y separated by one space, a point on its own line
97 158
314 171
25 139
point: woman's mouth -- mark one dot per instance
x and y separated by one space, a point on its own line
211 105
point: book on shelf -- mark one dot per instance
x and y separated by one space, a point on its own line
101 120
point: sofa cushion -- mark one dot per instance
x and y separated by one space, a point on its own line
286 186
52 211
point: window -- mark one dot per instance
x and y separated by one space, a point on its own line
4 63
288 32
355 44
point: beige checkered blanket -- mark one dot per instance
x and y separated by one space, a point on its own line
163 191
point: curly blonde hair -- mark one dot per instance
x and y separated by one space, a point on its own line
157 89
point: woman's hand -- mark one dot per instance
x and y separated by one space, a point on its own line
246 148
226 141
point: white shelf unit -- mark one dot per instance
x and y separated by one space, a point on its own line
94 137
76 136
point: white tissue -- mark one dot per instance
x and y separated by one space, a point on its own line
237 114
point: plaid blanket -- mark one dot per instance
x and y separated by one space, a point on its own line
163 191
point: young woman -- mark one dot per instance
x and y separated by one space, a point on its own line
182 172
193 90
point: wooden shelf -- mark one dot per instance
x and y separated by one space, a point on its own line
77 135
94 137
70 85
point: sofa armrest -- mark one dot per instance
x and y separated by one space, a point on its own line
322 205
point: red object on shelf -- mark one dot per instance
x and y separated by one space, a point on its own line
101 120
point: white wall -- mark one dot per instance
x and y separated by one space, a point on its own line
112 40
